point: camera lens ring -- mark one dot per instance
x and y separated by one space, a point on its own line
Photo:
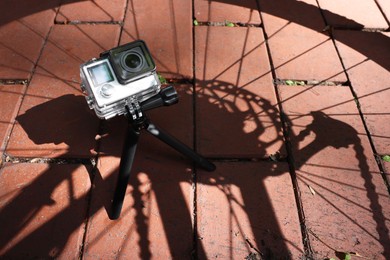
132 61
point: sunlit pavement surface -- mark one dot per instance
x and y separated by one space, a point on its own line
289 99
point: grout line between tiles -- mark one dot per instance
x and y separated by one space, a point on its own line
225 24
95 163
88 22
345 28
10 81
74 160
308 251
372 145
194 177
25 91
361 114
97 156
302 82
122 23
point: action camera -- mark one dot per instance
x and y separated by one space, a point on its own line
124 81
121 76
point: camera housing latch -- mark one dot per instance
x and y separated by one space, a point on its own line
133 108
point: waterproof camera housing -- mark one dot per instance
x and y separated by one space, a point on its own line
120 77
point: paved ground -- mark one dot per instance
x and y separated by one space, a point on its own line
287 98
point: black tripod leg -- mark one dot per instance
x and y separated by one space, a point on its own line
127 158
180 147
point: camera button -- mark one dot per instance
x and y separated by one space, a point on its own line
107 90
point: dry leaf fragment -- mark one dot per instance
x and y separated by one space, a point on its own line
312 190
357 255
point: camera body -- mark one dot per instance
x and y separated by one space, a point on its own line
119 77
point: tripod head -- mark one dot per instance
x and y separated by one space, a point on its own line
135 110
166 97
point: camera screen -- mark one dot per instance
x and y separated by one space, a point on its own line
100 74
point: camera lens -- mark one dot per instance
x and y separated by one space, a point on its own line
132 61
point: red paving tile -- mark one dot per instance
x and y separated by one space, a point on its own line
92 11
17 57
54 97
42 210
299 48
248 209
227 11
365 13
156 219
379 130
168 34
368 70
151 225
237 114
344 197
11 96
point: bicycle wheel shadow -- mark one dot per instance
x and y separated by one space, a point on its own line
161 184
309 16
159 202
293 11
336 192
162 180
39 216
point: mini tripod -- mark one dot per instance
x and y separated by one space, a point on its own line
137 122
